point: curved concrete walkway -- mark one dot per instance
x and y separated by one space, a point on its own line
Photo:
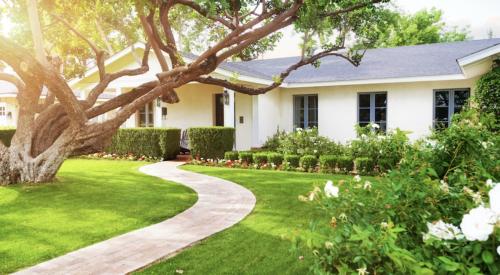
220 205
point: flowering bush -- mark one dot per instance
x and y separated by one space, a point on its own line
129 156
306 142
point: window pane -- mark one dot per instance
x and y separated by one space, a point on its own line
364 100
313 118
364 115
442 99
380 114
380 100
441 114
460 99
383 127
312 101
363 124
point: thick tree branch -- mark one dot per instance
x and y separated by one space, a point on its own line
154 42
262 90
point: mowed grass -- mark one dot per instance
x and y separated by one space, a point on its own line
261 243
90 201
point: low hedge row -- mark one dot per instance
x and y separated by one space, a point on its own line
160 143
326 163
6 135
210 142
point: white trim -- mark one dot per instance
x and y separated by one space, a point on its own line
376 81
493 50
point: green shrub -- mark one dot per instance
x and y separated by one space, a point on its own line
306 142
273 142
308 162
210 142
364 165
260 158
328 163
231 155
275 158
150 142
488 92
246 157
292 160
6 135
345 163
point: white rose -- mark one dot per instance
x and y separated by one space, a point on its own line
498 250
367 186
490 183
331 190
495 200
444 231
478 224
357 178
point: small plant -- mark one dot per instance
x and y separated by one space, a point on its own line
364 165
231 155
292 160
308 162
345 163
328 163
246 157
275 158
260 158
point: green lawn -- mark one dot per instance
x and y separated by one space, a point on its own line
91 201
259 244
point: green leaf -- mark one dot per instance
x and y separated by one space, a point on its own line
488 257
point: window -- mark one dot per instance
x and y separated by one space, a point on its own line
305 111
146 116
372 108
447 103
2 110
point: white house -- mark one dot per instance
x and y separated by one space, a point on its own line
410 88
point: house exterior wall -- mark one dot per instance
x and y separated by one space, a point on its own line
409 107
10 105
244 121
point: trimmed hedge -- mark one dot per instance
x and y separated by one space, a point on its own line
292 160
345 163
6 135
231 155
151 142
260 158
246 157
308 161
364 165
328 163
210 142
275 158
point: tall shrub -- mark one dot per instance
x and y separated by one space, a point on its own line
488 92
150 142
210 142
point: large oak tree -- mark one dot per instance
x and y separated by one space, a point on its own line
57 125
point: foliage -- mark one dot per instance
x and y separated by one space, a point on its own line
231 155
91 201
159 143
328 163
364 165
385 149
210 142
345 163
423 27
305 142
488 92
308 162
292 160
410 223
6 135
260 158
246 157
275 158
273 142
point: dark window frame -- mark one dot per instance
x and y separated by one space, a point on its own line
451 103
372 107
148 109
306 110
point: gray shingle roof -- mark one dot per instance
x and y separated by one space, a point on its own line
408 61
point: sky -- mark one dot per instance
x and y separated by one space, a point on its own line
479 15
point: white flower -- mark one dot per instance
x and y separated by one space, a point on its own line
363 136
357 178
498 250
375 126
444 186
343 217
484 144
443 231
328 245
331 190
495 200
362 271
384 224
478 224
490 183
367 186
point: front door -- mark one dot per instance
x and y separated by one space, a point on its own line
219 110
